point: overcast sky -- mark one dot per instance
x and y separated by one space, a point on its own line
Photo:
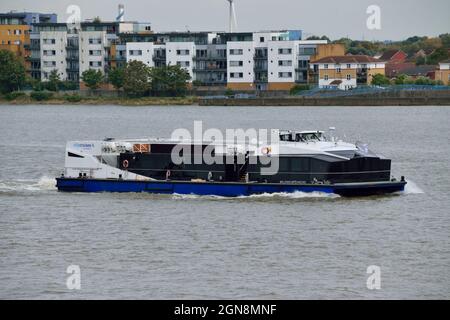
335 18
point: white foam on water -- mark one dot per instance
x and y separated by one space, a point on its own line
412 188
293 195
43 184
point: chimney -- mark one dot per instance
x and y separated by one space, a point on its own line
120 17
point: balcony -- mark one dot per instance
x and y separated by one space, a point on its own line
117 59
72 69
260 57
209 58
159 58
210 69
260 68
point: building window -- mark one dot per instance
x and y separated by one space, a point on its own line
95 41
349 66
349 77
325 77
95 64
49 52
284 74
95 52
49 64
135 52
325 66
236 52
49 41
236 63
338 69
236 75
184 64
182 52
285 63
303 64
261 39
284 51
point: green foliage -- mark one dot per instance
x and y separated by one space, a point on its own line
117 77
229 92
54 81
424 81
69 85
401 79
318 38
445 39
14 95
74 98
12 72
380 80
437 56
197 83
137 78
92 78
41 95
169 81
298 88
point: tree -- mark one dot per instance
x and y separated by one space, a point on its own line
92 78
380 80
137 77
116 77
12 72
401 79
445 38
54 81
437 56
170 80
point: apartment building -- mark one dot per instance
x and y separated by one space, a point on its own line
269 60
71 51
443 72
346 72
15 30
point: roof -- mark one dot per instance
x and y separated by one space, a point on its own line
388 55
419 70
336 82
348 59
394 69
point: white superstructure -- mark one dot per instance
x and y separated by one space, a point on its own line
99 159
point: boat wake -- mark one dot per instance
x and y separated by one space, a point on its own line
263 196
42 184
412 188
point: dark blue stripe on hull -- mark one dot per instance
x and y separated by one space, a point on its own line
221 189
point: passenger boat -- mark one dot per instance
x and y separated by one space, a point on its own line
306 161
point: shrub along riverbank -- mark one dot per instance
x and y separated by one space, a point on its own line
44 97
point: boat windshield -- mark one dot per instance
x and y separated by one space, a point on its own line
309 136
302 136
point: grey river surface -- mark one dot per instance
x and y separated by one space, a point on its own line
188 247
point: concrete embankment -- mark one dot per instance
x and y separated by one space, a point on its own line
327 102
402 98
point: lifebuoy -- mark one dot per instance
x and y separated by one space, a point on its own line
266 150
125 164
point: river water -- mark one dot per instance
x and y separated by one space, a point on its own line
188 247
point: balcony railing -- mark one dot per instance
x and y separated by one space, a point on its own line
209 69
209 58
260 57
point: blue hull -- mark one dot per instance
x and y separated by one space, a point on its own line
223 188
